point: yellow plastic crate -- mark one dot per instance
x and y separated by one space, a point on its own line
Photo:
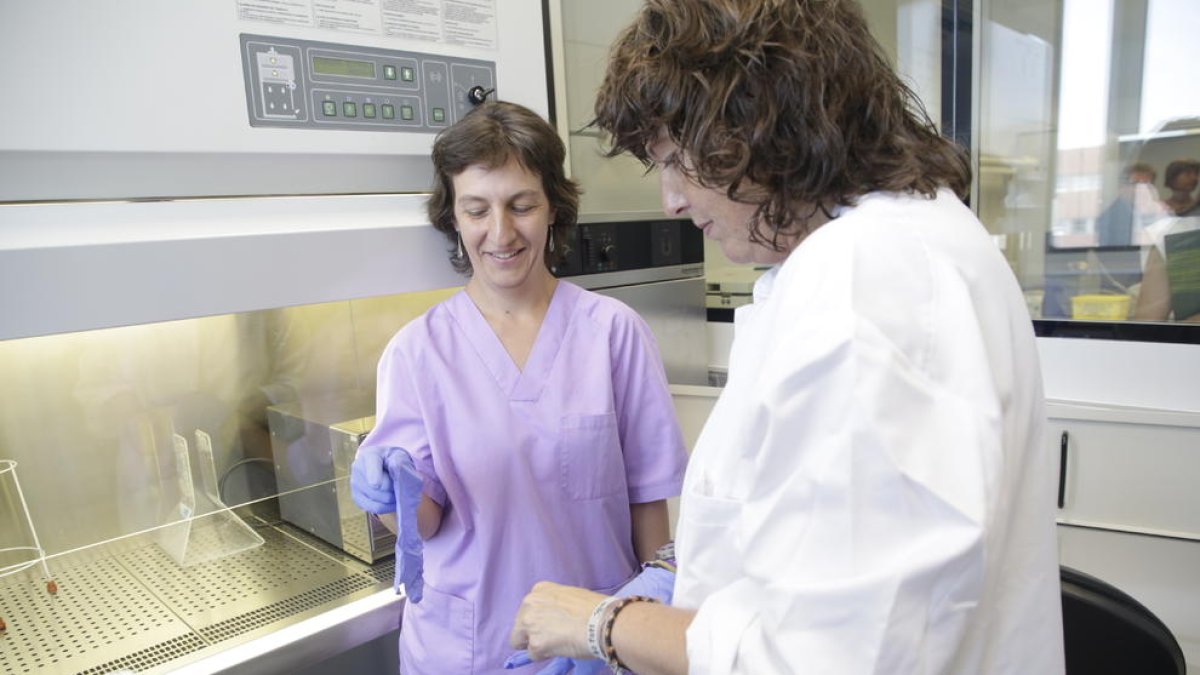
1100 307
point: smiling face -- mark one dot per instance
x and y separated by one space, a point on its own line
723 220
503 216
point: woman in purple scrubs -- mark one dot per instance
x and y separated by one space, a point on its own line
536 413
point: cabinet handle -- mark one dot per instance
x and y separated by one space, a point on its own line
1062 470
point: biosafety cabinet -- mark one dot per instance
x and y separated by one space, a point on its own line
212 220
212 215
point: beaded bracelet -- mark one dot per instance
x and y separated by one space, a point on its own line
606 644
594 626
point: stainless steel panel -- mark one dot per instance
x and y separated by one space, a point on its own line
314 442
640 276
676 314
362 535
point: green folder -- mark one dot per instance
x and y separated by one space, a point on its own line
1183 272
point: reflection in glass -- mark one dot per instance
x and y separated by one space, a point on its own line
1089 140
149 427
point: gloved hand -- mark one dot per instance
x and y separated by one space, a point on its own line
559 665
653 582
371 477
384 480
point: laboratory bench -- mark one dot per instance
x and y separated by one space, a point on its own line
280 607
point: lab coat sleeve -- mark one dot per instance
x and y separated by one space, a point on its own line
398 418
651 442
861 531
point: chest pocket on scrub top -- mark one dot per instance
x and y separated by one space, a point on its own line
589 454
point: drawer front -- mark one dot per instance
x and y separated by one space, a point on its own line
1128 476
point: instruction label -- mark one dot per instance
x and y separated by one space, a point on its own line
467 23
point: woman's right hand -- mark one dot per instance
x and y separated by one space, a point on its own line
552 621
371 477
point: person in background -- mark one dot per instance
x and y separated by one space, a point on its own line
1181 178
1170 285
1124 221
871 493
530 418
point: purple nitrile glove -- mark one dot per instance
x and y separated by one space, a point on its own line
653 582
410 548
559 665
371 480
384 480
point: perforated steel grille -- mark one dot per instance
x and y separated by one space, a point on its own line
215 591
384 570
157 655
132 607
284 609
99 612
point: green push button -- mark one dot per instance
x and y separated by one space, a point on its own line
407 74
369 110
389 72
350 109
439 115
329 108
406 112
389 112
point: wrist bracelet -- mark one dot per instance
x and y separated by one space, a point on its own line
606 645
666 553
594 626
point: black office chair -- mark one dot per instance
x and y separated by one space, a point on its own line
1106 631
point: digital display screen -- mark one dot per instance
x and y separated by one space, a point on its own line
345 67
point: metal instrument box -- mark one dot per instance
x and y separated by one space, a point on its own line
314 443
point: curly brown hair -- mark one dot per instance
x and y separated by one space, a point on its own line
782 103
490 135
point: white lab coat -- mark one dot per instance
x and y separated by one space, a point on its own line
872 492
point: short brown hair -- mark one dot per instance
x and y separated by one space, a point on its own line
490 135
1177 167
792 96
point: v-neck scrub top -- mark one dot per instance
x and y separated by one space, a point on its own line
535 469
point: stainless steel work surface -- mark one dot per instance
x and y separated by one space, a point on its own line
129 606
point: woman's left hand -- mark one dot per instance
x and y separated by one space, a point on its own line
552 621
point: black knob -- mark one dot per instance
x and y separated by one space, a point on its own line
478 94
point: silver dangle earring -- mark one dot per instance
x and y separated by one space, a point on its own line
460 251
550 229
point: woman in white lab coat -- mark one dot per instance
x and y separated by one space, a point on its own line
872 492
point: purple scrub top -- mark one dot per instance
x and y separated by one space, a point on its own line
535 469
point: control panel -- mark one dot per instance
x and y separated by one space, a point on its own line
319 85
599 247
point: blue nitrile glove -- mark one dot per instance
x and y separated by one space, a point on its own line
653 581
410 556
371 480
559 665
384 480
